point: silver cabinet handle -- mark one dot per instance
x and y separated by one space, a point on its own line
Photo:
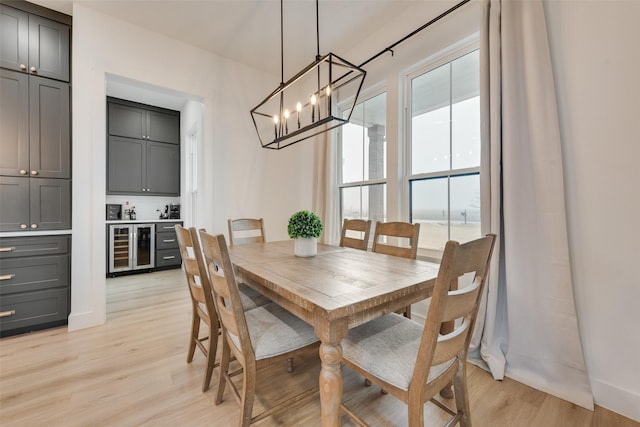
34 70
23 67
7 313
34 226
8 249
23 172
7 276
164 227
23 226
169 257
34 172
169 240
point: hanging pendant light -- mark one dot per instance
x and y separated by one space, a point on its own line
304 106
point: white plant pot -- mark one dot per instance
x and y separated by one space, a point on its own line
305 247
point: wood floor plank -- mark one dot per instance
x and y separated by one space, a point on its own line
132 371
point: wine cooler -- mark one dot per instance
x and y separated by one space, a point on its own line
131 247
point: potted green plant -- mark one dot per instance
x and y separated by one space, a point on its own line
305 227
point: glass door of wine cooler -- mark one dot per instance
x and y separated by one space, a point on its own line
144 251
120 248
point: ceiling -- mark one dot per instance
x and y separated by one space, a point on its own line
248 31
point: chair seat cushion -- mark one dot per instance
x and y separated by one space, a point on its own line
275 331
250 297
387 348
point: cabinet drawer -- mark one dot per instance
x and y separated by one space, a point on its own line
166 240
33 308
12 247
165 257
165 227
33 273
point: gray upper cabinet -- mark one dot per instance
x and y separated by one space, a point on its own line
34 139
33 44
143 149
141 123
34 204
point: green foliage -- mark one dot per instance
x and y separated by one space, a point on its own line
304 224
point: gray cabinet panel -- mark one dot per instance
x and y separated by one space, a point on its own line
34 204
14 203
14 119
163 127
48 48
12 247
14 38
168 257
163 168
50 144
33 273
50 201
127 121
166 240
28 309
126 165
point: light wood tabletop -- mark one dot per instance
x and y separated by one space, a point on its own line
337 289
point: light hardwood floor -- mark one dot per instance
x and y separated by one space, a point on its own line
132 371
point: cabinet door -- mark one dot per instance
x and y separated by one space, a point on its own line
50 202
50 143
14 203
163 127
126 165
163 168
14 38
14 123
127 121
48 48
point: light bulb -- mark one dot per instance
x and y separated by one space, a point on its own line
328 90
298 107
313 99
286 114
275 119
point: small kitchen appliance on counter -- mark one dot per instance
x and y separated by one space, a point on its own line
174 211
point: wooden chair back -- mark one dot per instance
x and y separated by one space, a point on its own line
246 230
457 307
399 230
203 306
227 297
361 226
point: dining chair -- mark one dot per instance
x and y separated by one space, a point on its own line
257 338
398 230
203 308
413 362
246 230
359 227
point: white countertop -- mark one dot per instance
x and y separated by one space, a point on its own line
140 221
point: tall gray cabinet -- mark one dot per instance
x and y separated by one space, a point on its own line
143 149
35 166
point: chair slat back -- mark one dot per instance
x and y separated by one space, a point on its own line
356 225
193 266
227 296
399 230
246 230
449 304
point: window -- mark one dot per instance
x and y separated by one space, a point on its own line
444 147
363 161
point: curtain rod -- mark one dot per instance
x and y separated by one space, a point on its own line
413 33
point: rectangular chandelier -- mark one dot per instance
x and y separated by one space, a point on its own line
305 105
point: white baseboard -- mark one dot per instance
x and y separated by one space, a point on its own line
85 320
616 399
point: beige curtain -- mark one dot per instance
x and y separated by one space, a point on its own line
527 328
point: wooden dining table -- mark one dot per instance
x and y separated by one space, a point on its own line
336 290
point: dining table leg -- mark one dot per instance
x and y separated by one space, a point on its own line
331 334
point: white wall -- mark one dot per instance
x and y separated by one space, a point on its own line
596 65
239 178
